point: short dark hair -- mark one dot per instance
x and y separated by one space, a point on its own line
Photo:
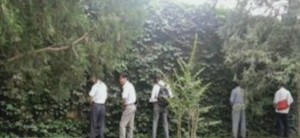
124 75
97 76
239 77
158 77
279 84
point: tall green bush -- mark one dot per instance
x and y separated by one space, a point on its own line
189 91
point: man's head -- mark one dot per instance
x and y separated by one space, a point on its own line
279 84
157 78
94 78
237 79
123 78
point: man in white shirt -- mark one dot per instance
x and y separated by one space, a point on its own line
159 109
98 96
282 114
129 109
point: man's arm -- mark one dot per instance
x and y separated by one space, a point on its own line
276 98
153 94
91 94
105 92
232 97
90 100
124 97
290 99
170 91
123 104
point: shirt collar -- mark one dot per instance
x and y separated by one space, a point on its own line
125 83
98 82
160 82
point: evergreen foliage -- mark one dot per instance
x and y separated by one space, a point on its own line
50 48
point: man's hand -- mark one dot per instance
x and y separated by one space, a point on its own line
275 105
123 105
90 101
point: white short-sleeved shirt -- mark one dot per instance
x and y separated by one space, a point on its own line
128 93
280 95
99 92
156 89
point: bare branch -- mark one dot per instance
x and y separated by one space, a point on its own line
53 48
75 52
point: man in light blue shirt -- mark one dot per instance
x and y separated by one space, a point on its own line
237 101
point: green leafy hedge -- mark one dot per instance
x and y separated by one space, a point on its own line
44 95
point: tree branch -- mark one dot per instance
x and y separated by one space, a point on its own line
53 48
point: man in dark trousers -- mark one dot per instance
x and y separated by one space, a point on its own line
98 96
282 97
159 108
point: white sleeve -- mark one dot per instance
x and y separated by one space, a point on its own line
276 97
93 91
290 98
232 96
105 92
125 92
170 91
154 92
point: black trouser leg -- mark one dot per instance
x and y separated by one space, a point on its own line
279 125
285 124
282 125
101 121
97 120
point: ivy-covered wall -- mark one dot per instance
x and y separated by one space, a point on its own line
44 88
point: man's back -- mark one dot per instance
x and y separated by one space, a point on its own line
237 100
156 89
237 96
99 92
129 93
280 95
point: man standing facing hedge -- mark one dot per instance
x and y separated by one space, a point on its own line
98 96
159 91
237 101
282 101
129 99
